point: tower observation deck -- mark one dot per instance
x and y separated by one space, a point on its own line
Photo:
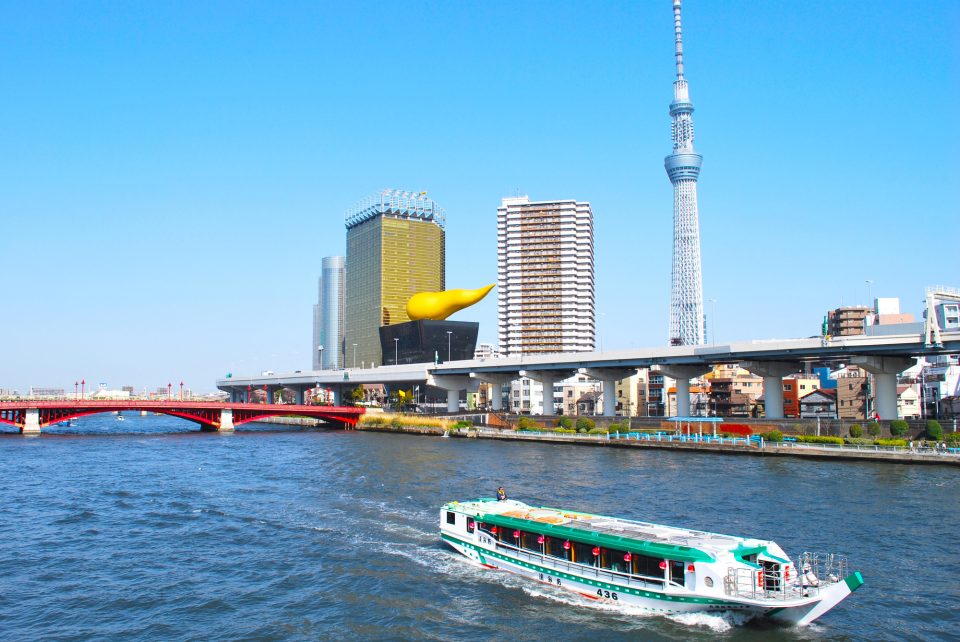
683 168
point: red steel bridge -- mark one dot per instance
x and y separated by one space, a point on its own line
33 416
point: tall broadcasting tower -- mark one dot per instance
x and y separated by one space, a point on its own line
683 167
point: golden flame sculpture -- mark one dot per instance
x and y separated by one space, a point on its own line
437 306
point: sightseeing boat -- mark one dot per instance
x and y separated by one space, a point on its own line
659 568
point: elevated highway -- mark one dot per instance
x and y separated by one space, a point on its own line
884 356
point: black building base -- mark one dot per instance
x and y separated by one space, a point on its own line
428 341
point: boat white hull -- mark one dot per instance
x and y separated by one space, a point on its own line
799 613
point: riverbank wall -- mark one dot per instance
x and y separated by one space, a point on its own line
726 447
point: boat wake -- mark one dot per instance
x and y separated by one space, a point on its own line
716 622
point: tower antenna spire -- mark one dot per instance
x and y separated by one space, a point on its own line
678 30
683 168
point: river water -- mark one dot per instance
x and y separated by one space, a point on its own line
162 532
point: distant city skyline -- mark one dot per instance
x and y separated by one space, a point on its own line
173 174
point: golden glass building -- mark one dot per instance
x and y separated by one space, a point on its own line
395 249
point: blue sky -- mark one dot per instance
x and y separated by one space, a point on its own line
172 173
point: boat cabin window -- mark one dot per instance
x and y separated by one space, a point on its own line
451 517
648 566
678 573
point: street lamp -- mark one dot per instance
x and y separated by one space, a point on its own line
169 394
181 391
870 294
354 356
449 334
713 321
82 383
76 390
320 362
396 351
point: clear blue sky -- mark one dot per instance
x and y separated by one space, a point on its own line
171 173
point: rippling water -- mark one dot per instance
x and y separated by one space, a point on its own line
159 533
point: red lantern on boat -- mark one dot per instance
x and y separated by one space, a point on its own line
627 557
596 551
690 568
540 539
663 565
566 545
516 534
470 524
493 529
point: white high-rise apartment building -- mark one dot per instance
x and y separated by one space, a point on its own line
545 276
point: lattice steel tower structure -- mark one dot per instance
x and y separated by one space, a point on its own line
683 168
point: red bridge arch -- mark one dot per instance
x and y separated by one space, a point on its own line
208 415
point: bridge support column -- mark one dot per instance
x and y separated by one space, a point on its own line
337 395
234 395
609 378
453 384
299 396
496 381
31 424
547 379
884 371
226 420
773 373
683 375
269 396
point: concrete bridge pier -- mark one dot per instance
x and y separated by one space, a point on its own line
547 379
773 373
226 420
884 371
269 394
609 377
683 375
31 424
298 395
497 381
453 384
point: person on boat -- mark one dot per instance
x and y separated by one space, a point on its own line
501 495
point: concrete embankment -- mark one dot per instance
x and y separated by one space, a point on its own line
769 449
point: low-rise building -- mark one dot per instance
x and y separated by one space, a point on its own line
794 388
819 403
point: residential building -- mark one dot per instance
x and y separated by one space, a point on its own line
329 348
939 381
846 321
819 403
908 401
545 276
45 392
795 387
395 249
733 391
574 389
487 351
852 392
629 396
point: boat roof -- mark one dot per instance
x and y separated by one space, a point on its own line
611 532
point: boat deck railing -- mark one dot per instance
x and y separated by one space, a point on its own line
812 572
587 570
